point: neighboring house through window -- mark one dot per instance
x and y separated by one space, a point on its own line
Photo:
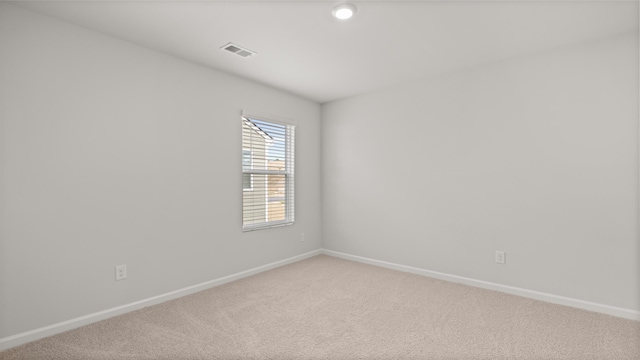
267 173
247 164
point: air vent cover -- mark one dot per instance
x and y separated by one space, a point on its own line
238 50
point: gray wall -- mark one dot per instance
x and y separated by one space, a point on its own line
116 154
536 156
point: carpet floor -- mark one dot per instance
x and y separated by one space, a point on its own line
329 308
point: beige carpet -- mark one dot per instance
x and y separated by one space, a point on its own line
328 308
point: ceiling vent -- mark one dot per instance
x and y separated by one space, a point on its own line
238 50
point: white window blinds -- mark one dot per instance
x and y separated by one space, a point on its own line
267 174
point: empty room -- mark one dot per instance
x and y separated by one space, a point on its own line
319 180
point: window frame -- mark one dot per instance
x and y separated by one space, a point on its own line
288 172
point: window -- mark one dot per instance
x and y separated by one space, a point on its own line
267 174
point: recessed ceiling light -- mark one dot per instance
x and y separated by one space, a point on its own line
343 11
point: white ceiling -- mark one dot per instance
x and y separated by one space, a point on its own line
303 50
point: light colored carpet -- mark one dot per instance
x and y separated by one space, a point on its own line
328 308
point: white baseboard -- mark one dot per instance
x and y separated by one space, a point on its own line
537 295
32 335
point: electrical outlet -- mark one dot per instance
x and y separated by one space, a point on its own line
501 257
121 272
301 237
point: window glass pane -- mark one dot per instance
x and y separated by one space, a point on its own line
246 182
246 159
